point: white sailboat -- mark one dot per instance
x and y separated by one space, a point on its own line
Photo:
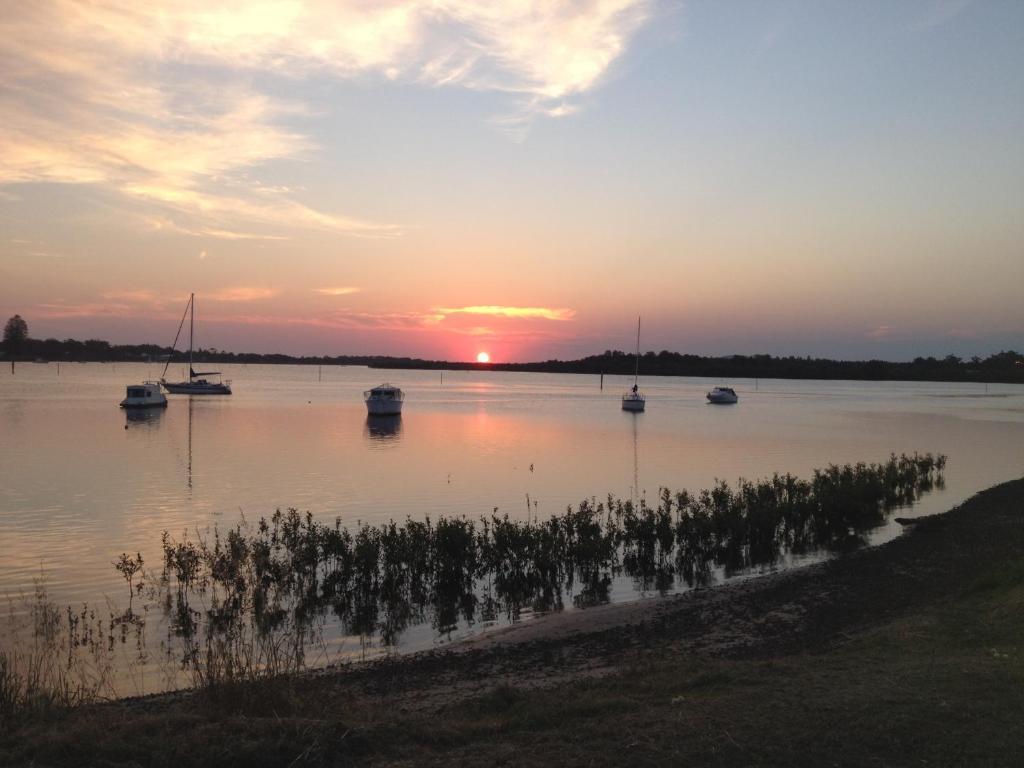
634 400
196 384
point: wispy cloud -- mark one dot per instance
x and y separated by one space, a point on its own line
881 332
61 310
135 297
341 290
347 320
159 107
242 293
542 313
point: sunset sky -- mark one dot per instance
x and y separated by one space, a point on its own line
436 179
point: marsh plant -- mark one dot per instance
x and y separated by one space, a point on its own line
55 658
253 601
256 601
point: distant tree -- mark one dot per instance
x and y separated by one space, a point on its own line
15 334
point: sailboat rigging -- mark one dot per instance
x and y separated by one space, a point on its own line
196 384
634 400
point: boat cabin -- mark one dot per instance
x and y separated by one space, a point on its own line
145 395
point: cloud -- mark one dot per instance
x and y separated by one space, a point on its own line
341 319
158 106
61 310
342 290
135 297
881 332
242 293
543 313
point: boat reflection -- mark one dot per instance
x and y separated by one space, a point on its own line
143 417
383 430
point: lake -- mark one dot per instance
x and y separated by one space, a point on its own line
82 481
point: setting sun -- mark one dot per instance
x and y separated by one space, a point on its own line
483 357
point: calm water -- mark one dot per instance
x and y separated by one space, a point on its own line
82 481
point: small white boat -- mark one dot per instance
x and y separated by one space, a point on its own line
722 396
634 400
384 400
144 395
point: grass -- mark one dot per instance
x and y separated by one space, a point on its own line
907 654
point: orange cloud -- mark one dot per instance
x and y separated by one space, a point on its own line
542 313
242 293
341 290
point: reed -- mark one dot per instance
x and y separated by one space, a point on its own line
53 659
266 591
253 602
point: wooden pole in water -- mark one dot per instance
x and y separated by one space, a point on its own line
602 380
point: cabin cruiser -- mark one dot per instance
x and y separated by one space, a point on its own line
722 396
384 400
144 395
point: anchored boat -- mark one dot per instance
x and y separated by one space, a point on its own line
196 384
722 396
634 400
384 400
144 395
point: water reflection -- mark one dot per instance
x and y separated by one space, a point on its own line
275 585
383 430
143 417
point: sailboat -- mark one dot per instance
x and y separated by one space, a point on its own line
634 400
196 384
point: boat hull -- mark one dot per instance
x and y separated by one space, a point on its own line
192 388
722 399
383 407
145 395
634 404
140 405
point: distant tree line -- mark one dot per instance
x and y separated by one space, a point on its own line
1001 367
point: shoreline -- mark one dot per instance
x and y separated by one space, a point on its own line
937 612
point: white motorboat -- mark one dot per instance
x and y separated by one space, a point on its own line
196 384
384 400
722 396
144 395
634 400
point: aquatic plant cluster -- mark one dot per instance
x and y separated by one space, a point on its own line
254 600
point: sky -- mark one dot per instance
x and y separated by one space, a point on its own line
435 178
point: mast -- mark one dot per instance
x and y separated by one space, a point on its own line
636 370
174 346
192 329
